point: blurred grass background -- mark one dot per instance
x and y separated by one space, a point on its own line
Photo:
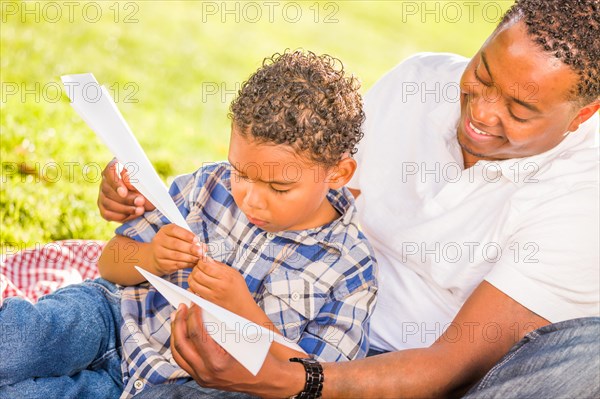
173 68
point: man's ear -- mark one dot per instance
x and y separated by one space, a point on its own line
584 114
341 173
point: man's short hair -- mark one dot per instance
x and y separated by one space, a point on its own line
304 101
570 31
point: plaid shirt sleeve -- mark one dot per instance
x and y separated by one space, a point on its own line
340 330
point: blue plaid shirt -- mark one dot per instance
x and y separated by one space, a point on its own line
317 286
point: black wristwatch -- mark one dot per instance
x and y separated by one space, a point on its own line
314 379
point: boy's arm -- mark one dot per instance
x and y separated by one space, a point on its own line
171 249
118 258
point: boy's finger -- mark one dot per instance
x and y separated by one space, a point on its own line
175 231
199 289
182 259
202 278
209 267
111 192
126 179
179 245
115 206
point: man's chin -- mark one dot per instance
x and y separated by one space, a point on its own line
466 148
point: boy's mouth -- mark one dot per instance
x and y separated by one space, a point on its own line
257 222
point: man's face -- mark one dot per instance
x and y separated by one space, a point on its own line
514 100
275 188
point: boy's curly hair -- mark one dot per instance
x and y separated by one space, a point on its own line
570 31
302 100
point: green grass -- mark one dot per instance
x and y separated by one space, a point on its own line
166 62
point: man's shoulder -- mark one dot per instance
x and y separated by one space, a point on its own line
426 66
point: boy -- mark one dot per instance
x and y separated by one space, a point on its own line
285 250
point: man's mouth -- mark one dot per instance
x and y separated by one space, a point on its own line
478 131
477 134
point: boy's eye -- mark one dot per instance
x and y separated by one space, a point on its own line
279 191
239 175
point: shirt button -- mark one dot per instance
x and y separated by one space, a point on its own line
295 296
138 384
270 236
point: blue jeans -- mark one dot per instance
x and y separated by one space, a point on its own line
65 346
560 360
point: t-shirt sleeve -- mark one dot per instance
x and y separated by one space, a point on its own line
145 227
551 263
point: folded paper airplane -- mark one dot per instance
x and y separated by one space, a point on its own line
96 107
246 341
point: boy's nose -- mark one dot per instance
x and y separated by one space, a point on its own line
253 198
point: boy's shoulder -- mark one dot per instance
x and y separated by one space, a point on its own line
339 248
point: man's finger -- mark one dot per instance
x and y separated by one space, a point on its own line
205 346
176 332
179 340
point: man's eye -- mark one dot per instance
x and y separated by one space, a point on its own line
520 120
478 77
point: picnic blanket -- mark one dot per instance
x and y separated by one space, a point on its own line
35 272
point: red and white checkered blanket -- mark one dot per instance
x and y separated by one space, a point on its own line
35 272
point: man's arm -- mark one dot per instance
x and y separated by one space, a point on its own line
485 328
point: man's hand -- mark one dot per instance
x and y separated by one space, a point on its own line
211 366
222 285
174 248
118 200
190 344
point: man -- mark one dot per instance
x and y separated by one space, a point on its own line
491 266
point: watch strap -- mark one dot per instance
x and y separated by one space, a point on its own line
314 378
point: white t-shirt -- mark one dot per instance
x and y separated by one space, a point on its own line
529 226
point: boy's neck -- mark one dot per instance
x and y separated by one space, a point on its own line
325 215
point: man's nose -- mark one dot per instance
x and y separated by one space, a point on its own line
484 108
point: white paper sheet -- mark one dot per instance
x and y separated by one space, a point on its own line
246 341
97 108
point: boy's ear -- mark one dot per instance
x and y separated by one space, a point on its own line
340 174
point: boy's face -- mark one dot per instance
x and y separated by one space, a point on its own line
276 188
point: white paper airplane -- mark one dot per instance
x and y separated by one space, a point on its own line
246 341
96 107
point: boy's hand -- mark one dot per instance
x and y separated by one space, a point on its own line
118 200
174 248
222 285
